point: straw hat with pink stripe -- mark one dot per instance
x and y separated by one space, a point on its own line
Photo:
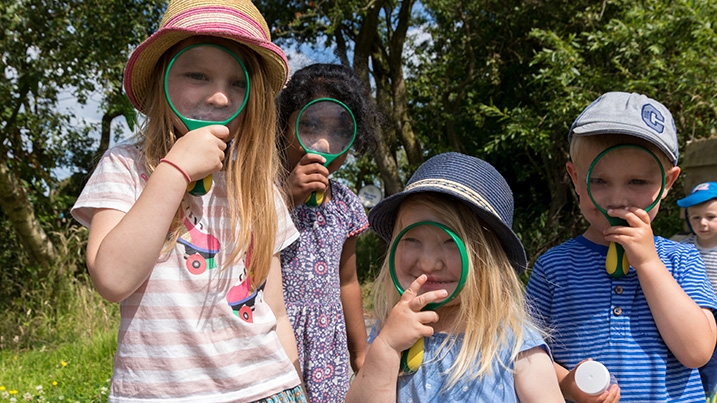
238 20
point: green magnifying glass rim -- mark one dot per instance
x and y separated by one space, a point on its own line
329 157
193 124
613 220
432 306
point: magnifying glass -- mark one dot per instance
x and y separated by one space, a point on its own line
327 127
642 187
427 243
206 84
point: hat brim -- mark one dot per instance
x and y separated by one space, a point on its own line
593 129
139 72
382 219
696 198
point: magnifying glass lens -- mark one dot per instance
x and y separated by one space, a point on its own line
626 177
326 127
427 249
206 84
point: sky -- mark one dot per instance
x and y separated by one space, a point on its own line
92 114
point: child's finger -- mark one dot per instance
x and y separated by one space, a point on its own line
416 285
633 215
311 158
424 299
415 301
219 131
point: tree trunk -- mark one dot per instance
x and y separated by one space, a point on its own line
397 41
364 48
17 206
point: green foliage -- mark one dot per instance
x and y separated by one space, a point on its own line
49 51
57 335
507 78
38 304
370 252
75 371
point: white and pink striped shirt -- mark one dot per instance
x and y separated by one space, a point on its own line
194 331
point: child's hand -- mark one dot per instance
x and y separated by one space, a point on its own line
611 395
200 152
407 323
637 238
308 176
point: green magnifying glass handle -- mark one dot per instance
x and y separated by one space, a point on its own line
412 358
200 188
314 199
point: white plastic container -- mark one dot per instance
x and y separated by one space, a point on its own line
592 378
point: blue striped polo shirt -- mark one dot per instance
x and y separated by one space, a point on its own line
592 315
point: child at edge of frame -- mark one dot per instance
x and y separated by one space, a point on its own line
321 286
701 219
653 326
479 343
197 275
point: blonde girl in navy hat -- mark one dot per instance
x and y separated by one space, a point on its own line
197 275
480 346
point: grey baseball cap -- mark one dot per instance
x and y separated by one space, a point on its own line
631 114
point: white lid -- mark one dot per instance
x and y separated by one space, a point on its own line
370 195
592 378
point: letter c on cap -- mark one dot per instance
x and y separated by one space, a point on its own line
653 118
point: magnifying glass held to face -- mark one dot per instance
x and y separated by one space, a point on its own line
325 126
206 84
434 249
624 175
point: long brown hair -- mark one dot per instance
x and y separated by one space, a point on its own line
251 163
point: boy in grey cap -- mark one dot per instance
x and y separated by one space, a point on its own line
654 325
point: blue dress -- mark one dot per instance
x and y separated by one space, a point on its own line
427 384
312 290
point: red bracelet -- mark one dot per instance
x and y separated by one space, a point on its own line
186 175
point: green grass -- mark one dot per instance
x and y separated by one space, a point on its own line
76 371
57 343
58 336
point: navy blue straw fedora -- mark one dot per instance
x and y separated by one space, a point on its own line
467 179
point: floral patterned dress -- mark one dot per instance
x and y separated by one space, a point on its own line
312 292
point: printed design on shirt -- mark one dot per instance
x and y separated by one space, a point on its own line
242 297
200 247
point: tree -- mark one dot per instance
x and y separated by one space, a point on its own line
49 47
507 78
372 35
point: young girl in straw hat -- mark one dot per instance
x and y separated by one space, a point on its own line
456 260
197 275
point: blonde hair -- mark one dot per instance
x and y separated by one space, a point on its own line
492 306
251 163
580 144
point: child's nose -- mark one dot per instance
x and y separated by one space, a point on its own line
431 260
618 200
219 99
322 146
